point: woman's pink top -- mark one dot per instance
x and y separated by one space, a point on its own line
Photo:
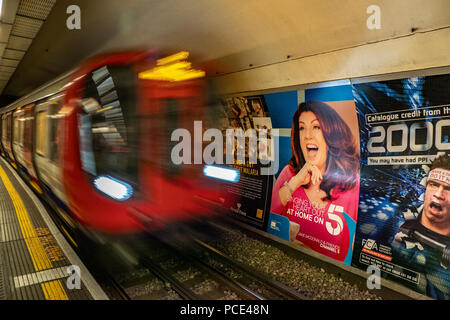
323 230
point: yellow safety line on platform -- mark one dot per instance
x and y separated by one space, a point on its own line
53 290
35 248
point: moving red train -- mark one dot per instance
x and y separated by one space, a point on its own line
96 143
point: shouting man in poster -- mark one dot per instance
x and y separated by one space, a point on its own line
425 242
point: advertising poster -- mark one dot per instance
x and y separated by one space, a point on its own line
404 208
315 197
251 150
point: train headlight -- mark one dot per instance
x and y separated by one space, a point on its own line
221 173
113 187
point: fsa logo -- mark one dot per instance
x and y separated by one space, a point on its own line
340 225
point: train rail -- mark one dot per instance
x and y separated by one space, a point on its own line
182 274
267 287
193 270
191 278
254 284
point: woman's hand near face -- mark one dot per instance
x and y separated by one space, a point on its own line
308 173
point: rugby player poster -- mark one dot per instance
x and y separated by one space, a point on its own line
403 223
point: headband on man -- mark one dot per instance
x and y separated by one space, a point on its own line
440 175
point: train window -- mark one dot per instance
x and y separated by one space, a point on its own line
8 127
52 121
21 131
108 127
47 121
16 130
4 128
41 136
54 139
87 155
22 124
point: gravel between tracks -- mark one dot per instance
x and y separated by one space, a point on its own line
313 282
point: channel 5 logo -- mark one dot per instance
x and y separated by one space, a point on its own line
336 218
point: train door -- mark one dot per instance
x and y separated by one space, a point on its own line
7 143
28 143
3 133
46 150
18 139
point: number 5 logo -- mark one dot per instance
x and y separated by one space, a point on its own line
340 225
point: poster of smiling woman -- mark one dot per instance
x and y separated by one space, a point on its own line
317 191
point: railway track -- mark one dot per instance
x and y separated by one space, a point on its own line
197 271
188 277
266 287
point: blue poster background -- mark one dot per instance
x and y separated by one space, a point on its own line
401 132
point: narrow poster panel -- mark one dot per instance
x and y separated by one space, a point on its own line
250 145
404 210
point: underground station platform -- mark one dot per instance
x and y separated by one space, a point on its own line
36 261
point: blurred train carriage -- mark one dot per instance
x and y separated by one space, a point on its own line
96 143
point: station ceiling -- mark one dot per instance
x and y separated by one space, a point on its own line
20 22
36 45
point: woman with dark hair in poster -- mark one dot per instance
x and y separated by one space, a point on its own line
319 190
